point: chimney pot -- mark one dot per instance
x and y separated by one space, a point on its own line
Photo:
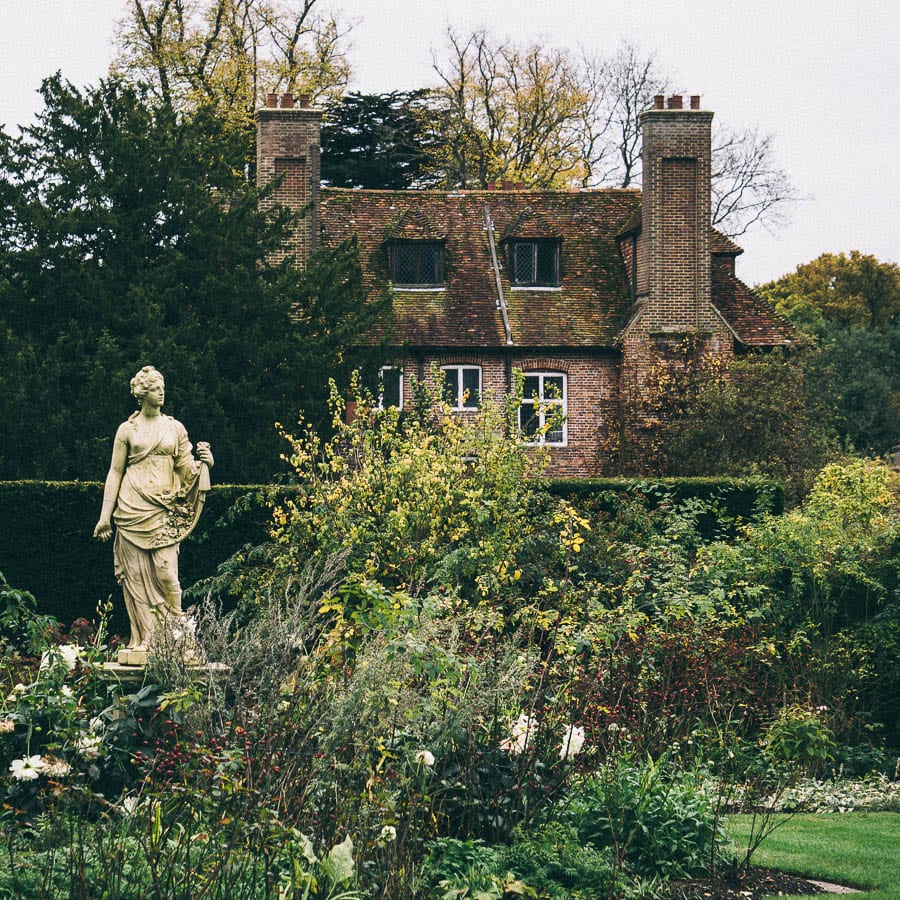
659 102
695 101
507 185
287 100
272 100
492 186
675 101
303 100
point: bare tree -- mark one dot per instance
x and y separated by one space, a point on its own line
748 185
622 87
541 116
509 113
227 53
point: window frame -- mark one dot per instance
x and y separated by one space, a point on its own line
542 404
381 373
440 268
536 244
457 404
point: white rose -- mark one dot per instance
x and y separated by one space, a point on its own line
573 741
425 758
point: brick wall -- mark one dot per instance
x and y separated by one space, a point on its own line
673 249
592 394
287 148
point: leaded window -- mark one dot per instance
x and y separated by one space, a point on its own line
534 263
416 264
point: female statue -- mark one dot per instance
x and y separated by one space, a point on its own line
154 493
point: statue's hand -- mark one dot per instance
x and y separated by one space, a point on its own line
205 454
103 530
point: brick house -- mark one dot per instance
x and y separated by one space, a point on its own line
583 292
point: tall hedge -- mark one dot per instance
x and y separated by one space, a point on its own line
47 545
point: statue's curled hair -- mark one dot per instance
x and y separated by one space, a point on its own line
141 382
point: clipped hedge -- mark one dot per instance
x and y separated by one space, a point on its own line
740 498
47 545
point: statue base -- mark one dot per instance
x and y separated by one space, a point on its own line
128 672
129 657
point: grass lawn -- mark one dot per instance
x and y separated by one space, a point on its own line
857 849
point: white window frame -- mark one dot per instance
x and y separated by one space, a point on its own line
381 373
458 404
544 405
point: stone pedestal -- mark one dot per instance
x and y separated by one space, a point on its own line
133 657
135 671
116 671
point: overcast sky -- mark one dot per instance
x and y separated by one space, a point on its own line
822 75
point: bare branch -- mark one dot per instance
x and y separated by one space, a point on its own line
748 186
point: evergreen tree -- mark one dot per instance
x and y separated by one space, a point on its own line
131 235
380 141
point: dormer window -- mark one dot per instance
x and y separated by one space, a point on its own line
416 264
534 263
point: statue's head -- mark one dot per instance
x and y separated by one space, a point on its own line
148 377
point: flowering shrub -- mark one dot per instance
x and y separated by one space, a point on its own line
416 498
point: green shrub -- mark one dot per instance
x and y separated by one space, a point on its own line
797 741
456 868
658 820
47 547
22 629
741 498
553 860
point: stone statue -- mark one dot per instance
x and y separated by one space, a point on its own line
154 494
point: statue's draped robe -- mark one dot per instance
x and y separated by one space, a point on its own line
159 503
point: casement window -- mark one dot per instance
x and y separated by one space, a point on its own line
390 387
533 263
542 412
416 264
462 386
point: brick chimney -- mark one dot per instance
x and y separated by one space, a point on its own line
288 133
673 248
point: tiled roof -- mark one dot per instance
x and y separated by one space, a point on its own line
719 243
585 311
754 321
589 309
